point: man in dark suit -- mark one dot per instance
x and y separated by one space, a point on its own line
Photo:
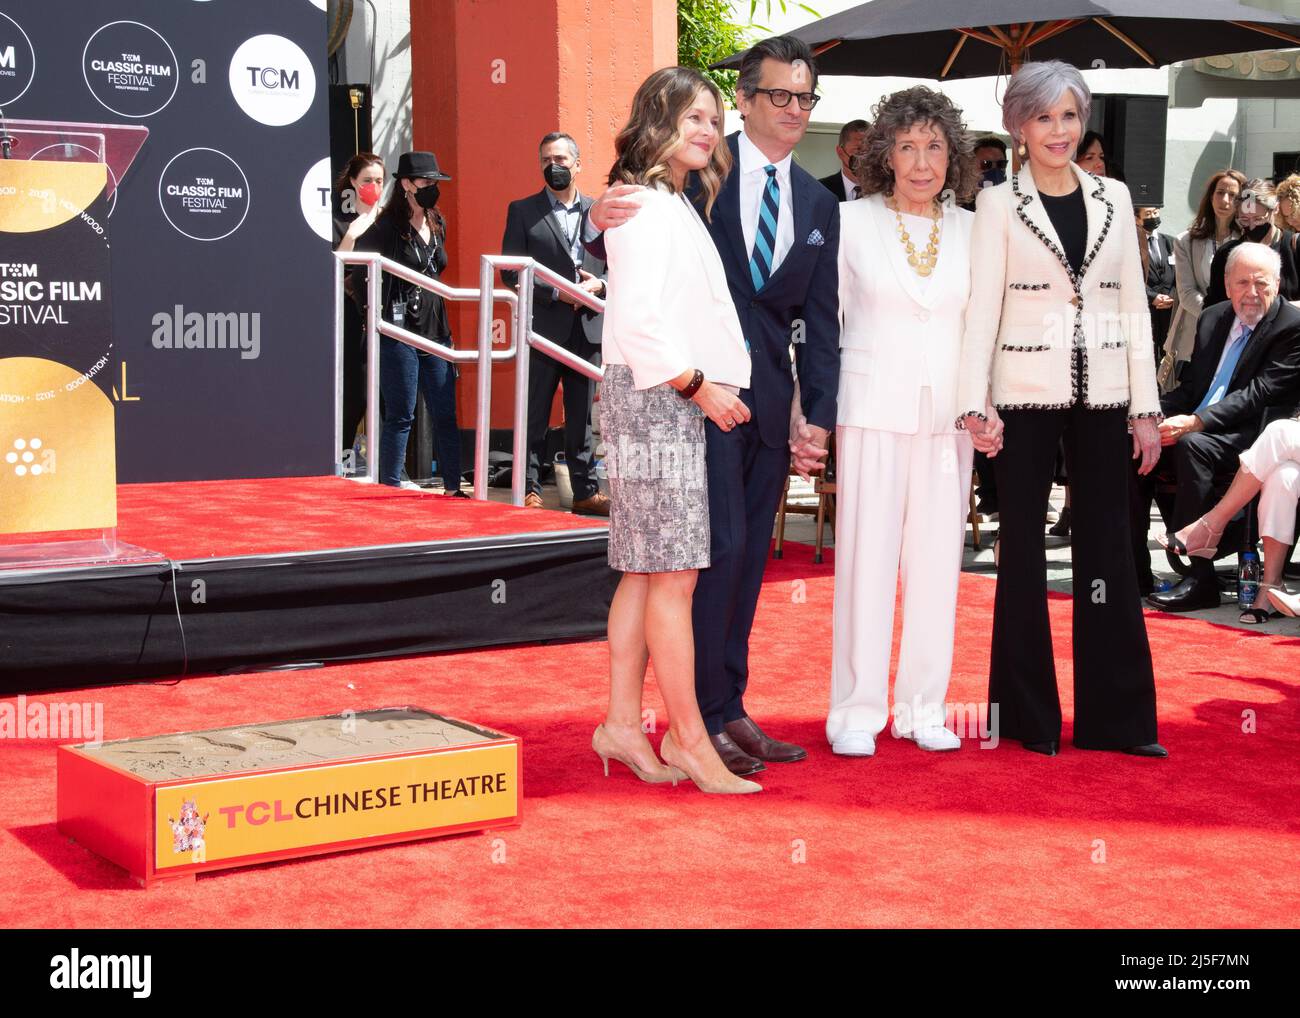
547 226
1159 259
1246 361
853 140
777 231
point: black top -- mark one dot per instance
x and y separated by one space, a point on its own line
425 312
1070 217
1285 246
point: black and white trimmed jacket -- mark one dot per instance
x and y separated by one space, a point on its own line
1028 311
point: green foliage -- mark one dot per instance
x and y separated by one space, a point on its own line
706 34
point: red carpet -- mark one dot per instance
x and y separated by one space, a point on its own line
981 838
208 519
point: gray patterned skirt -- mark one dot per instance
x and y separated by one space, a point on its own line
654 452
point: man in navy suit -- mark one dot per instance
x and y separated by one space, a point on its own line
777 230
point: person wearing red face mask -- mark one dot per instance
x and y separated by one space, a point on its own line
356 202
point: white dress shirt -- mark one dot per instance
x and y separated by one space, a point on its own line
849 185
753 180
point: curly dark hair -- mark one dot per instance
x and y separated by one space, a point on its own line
898 112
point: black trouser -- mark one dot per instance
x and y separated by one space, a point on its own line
987 489
354 371
746 484
1114 688
544 374
1160 318
1200 465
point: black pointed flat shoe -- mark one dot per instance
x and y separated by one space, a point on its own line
1049 748
1151 749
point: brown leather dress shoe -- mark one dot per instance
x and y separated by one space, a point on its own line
595 505
737 760
533 501
750 738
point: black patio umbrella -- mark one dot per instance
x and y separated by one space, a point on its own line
947 39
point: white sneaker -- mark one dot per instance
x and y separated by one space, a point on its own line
934 737
411 486
854 744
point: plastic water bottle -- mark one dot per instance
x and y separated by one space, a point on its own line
1248 575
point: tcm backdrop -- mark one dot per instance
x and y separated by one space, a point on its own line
222 354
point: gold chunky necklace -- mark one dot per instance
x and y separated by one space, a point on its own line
922 264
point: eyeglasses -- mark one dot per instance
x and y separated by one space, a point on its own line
993 164
781 97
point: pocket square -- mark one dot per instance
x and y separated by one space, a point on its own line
815 239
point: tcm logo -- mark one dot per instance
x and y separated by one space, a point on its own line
272 77
17 60
272 80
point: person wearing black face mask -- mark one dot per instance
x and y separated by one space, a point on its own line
547 226
412 231
1256 206
991 161
1160 279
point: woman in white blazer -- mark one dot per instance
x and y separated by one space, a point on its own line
1215 224
1058 341
673 354
903 468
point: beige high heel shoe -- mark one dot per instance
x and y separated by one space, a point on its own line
608 749
728 785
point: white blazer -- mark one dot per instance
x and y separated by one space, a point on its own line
896 338
1026 306
669 308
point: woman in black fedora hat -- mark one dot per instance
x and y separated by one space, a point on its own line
412 231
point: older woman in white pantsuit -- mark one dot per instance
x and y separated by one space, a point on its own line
903 467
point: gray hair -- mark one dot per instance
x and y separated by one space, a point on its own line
1036 88
1248 249
896 113
558 136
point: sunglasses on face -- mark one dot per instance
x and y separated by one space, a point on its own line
993 164
780 97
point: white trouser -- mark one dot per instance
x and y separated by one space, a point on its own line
901 513
1274 459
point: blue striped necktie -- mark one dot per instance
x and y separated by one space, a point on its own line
760 261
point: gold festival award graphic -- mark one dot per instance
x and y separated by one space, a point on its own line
57 448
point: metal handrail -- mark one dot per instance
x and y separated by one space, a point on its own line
530 273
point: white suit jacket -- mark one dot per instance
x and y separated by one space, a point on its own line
894 337
1026 305
669 307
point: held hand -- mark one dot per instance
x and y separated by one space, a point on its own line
808 450
985 435
1163 301
614 207
1174 428
1146 444
720 406
592 284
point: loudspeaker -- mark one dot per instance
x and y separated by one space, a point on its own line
1133 129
